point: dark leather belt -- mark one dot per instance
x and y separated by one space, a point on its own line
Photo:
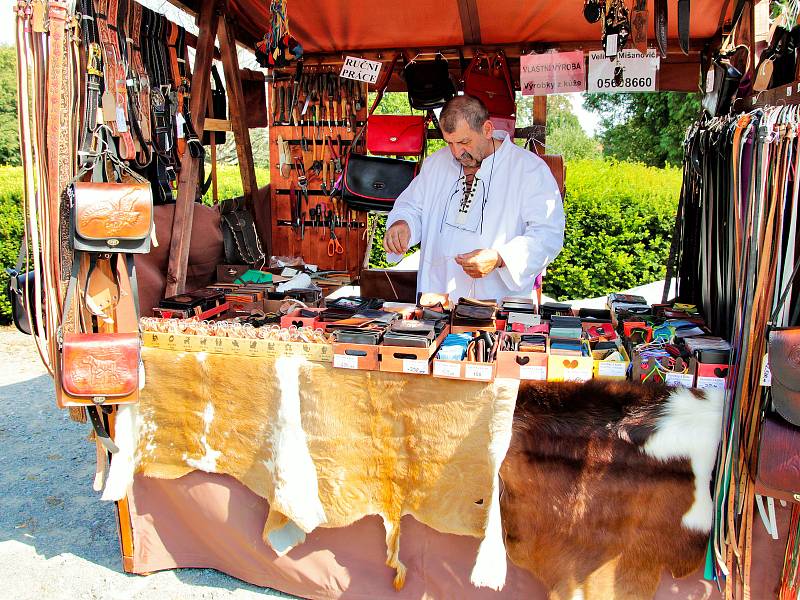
684 10
94 76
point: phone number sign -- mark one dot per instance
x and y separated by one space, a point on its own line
631 72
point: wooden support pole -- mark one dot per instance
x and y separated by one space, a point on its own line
540 120
190 167
237 110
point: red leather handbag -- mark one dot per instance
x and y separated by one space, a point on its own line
398 135
489 78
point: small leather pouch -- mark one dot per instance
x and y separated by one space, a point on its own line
100 368
784 363
398 135
111 217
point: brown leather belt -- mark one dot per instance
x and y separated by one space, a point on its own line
115 97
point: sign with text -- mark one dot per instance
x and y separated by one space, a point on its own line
360 69
632 71
552 73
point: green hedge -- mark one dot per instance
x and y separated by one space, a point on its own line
619 220
10 230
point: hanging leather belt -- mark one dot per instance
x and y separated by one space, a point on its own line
196 149
152 43
94 76
132 80
116 88
683 24
138 66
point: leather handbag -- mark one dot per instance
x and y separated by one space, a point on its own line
488 78
21 291
397 135
784 364
219 108
428 83
724 80
239 236
99 368
373 183
779 442
111 217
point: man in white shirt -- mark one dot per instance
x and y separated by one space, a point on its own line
487 214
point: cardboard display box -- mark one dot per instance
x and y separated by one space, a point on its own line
406 359
463 369
363 357
561 367
525 366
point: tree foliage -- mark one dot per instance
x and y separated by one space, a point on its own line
9 131
647 128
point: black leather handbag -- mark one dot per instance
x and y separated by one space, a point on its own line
239 235
428 83
718 99
19 283
373 183
219 108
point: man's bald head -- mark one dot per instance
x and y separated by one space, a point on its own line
469 108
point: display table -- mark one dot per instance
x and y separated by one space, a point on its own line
414 432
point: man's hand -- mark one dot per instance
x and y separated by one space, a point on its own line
480 263
396 238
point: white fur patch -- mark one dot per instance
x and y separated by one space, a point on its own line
490 565
296 487
120 474
207 462
690 428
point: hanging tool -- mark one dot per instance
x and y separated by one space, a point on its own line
334 247
316 164
275 102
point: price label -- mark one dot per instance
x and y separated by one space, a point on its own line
577 375
632 71
707 383
415 367
766 373
680 379
534 373
446 369
612 368
482 372
345 361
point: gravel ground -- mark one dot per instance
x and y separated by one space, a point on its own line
57 539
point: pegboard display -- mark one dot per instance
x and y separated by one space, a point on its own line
313 138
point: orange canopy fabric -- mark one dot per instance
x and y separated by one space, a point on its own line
342 25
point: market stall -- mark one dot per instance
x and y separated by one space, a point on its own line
259 413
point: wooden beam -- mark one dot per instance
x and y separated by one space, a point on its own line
190 167
470 22
237 113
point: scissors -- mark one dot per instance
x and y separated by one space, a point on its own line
334 247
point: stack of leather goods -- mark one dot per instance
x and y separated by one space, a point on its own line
548 309
346 307
474 313
411 333
566 336
367 326
191 304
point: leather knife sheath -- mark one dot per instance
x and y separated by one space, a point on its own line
660 20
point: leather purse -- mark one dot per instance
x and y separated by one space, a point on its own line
373 183
727 70
398 135
784 364
99 368
239 236
428 83
111 217
21 292
488 78
779 442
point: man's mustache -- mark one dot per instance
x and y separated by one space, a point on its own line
466 156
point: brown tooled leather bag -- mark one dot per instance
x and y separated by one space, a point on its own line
778 469
110 216
99 368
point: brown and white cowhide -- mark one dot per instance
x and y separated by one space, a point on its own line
607 484
327 447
